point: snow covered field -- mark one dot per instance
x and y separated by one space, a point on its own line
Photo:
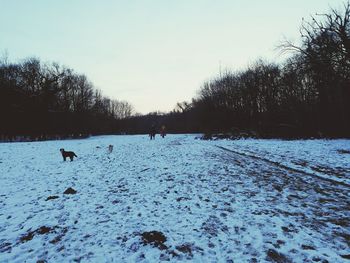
175 199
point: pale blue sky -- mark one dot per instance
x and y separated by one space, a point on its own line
152 53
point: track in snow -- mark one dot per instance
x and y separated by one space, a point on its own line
255 157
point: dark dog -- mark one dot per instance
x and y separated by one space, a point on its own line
67 154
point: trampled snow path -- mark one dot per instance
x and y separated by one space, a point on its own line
211 205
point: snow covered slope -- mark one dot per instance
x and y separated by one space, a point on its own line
172 199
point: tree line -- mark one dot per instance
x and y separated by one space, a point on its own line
308 95
46 99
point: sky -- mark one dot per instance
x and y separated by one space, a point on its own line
152 53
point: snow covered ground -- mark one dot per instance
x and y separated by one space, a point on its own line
325 158
175 199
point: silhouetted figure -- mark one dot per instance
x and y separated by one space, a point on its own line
152 133
67 154
162 131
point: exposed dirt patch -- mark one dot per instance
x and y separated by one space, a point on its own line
188 249
306 247
154 238
27 237
51 197
70 191
181 198
340 221
346 256
30 234
343 151
274 256
59 237
185 248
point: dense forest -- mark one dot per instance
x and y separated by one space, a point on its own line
48 100
308 95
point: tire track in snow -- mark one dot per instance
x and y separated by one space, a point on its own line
334 182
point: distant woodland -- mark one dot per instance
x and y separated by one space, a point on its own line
308 95
46 100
